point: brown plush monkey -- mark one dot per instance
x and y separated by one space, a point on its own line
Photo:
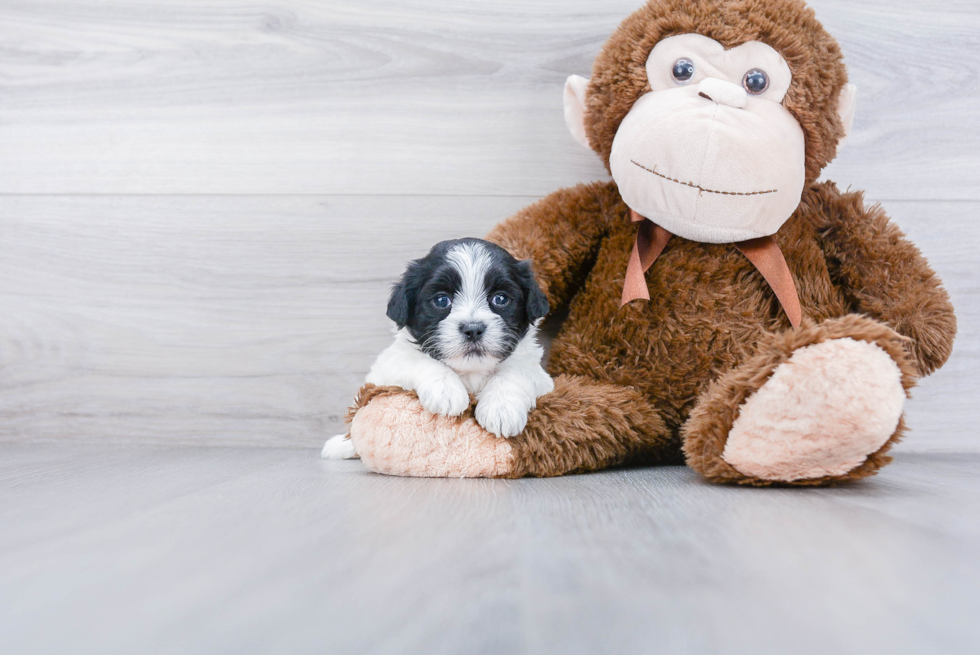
785 321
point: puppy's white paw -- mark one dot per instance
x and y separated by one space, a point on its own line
505 415
542 382
444 395
339 447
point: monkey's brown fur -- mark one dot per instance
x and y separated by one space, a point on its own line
651 380
713 331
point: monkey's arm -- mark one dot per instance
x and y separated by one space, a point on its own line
560 234
884 275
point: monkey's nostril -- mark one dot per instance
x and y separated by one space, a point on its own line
722 92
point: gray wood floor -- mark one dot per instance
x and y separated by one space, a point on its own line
124 550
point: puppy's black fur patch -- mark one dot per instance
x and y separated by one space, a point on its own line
412 306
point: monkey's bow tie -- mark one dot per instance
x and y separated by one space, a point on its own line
763 252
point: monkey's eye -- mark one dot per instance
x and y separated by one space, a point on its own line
756 81
683 70
442 301
499 300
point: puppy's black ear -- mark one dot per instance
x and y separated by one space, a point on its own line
398 305
403 294
537 304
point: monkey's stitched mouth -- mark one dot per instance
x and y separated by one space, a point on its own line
701 188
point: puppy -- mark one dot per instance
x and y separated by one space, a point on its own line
466 316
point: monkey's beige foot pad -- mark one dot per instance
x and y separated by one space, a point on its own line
821 413
395 435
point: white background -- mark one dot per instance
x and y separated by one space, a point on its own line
203 202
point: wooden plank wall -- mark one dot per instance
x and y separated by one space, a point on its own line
203 202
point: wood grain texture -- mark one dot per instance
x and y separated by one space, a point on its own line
243 318
422 97
220 320
265 550
253 320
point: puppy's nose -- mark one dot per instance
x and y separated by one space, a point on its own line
473 331
722 92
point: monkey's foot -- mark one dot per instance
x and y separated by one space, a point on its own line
815 406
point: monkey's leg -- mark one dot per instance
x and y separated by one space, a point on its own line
814 406
582 425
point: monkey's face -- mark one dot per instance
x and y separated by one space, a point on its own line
709 152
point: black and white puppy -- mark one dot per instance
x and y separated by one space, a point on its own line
466 317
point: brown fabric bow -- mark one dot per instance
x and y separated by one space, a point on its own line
763 252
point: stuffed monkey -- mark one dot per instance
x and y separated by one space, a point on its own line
724 308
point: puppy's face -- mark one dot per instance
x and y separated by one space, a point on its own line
467 303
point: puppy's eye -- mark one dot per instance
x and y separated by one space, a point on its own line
682 71
499 300
756 81
442 301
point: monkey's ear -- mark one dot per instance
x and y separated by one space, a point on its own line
846 105
575 87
